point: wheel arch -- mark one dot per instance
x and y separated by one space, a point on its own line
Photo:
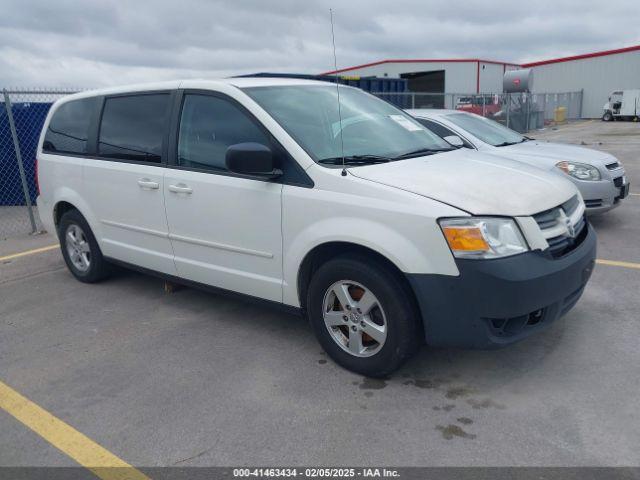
60 209
67 199
324 252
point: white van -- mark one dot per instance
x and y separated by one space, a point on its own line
623 105
238 185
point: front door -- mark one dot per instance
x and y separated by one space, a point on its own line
225 229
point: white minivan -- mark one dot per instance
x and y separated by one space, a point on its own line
358 216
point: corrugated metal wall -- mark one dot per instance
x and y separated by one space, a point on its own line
460 77
597 76
491 77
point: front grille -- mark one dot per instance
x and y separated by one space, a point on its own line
612 166
555 220
617 182
557 245
570 205
547 219
593 203
561 245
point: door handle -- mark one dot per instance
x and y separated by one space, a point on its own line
148 184
180 188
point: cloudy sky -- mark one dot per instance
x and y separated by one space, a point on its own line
91 43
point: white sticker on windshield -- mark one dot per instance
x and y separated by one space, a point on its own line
406 123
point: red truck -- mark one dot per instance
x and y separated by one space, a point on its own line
485 105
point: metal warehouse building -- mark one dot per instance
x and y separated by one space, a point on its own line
463 76
595 74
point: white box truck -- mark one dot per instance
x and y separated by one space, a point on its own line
623 105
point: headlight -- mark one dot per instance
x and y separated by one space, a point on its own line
581 171
483 237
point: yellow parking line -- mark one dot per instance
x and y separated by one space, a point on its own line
79 447
29 252
616 263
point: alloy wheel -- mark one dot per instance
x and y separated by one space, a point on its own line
354 318
78 248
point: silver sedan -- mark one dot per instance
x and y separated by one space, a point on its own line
599 176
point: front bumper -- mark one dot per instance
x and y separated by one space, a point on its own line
603 195
493 303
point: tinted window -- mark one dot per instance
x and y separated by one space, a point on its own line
208 126
132 127
69 127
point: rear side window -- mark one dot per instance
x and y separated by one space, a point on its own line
68 129
132 127
208 126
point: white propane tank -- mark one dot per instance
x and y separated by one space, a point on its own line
515 81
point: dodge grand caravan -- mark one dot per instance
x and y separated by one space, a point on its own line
374 227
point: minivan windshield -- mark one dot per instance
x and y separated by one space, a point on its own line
372 130
486 130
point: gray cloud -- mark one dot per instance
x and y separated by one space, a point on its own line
89 44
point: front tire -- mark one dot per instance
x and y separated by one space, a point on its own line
607 117
363 315
80 249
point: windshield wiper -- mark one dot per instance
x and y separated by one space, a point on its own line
421 152
506 144
355 160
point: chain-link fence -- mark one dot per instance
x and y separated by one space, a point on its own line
520 111
22 113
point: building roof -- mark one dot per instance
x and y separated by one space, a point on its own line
603 53
419 60
479 60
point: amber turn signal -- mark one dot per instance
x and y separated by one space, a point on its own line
465 239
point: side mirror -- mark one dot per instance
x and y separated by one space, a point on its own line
251 159
454 141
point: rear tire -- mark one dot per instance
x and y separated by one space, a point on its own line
80 249
351 295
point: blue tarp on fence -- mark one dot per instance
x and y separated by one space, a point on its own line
29 118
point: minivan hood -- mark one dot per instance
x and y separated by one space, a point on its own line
547 154
474 182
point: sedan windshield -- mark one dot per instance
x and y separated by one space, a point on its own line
372 131
486 130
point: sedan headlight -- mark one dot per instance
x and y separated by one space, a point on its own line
483 237
581 171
